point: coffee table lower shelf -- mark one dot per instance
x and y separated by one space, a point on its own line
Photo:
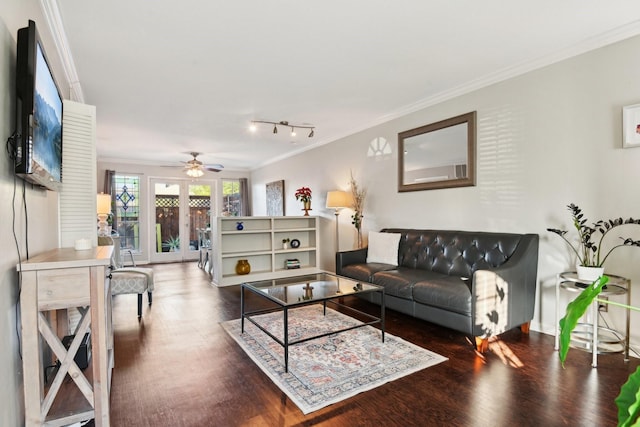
282 305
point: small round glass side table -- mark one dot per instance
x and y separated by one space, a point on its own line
590 336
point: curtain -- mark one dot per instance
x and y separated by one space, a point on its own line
244 194
108 181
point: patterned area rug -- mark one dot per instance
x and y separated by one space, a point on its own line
330 369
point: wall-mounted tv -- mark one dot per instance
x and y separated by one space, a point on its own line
38 155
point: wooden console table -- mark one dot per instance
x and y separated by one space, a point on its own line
53 282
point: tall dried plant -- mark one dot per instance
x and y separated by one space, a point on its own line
359 195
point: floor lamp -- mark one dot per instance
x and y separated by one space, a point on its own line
338 200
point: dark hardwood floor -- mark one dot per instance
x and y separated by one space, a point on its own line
177 367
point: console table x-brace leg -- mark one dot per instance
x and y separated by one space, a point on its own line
67 364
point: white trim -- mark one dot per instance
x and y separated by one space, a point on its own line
54 20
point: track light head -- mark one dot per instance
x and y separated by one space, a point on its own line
275 129
311 133
293 131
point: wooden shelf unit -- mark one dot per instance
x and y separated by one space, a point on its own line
260 242
52 283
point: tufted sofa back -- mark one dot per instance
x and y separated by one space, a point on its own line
456 253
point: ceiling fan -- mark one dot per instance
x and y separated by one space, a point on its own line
195 168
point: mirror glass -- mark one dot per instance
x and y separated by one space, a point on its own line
438 155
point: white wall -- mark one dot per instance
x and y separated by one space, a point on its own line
545 139
42 206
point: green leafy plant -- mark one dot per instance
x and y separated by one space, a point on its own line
628 401
589 251
172 243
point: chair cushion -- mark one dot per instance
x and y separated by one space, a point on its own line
131 280
148 272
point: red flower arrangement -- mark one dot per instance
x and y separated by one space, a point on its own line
303 194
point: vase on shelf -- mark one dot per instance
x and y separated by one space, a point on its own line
590 274
239 226
243 267
359 241
306 207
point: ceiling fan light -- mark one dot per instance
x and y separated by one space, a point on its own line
195 172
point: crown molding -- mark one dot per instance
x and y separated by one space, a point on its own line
54 20
621 33
618 34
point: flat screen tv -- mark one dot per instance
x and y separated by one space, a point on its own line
38 155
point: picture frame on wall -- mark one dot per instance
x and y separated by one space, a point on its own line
631 126
275 198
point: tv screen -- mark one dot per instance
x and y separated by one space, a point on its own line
39 114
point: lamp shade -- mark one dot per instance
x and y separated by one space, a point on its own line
104 204
339 199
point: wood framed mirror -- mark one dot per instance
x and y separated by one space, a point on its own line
438 155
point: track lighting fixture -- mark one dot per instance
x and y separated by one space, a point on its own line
253 127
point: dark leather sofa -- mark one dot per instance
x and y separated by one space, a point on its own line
478 283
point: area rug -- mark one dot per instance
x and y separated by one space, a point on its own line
327 370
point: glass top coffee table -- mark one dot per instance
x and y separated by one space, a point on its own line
293 292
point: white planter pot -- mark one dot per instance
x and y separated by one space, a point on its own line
589 273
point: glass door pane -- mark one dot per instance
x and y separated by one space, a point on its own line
199 216
167 230
181 214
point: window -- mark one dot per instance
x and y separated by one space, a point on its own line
234 197
126 216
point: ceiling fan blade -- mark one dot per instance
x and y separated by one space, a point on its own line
213 166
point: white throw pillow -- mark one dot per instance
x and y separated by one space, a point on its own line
383 247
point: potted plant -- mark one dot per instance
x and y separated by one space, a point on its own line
172 243
285 243
304 195
589 253
628 401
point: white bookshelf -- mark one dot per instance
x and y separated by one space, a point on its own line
260 243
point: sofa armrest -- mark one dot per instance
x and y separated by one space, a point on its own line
357 256
504 297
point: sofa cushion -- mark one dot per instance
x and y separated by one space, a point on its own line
383 248
399 282
364 272
450 293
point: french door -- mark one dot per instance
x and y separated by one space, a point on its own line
179 208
